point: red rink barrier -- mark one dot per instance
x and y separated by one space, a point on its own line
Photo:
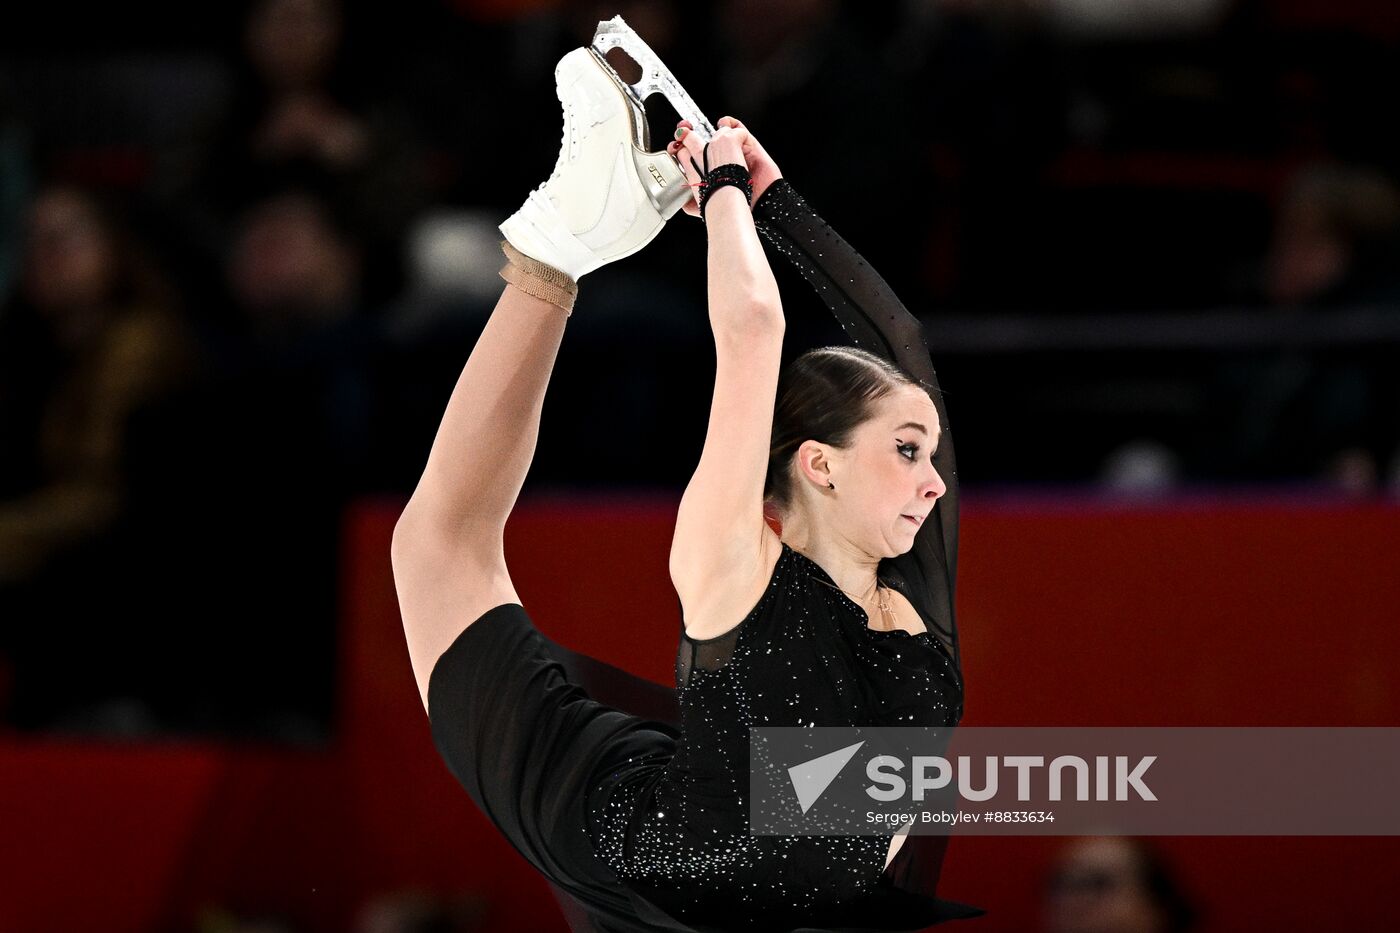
1072 612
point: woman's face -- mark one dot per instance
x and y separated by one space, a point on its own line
885 481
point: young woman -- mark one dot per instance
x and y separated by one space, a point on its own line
845 618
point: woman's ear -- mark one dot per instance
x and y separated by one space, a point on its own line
814 464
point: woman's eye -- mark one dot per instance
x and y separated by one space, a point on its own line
911 451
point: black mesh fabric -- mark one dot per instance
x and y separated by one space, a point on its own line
706 654
877 321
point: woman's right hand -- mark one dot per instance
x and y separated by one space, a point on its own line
732 143
763 171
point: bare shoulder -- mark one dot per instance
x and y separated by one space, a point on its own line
715 604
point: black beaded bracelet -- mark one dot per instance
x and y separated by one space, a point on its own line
731 173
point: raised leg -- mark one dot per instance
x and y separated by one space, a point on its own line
448 553
606 199
489 431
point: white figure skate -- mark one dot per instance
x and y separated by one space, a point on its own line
608 195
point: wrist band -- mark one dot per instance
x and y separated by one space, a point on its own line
720 176
538 279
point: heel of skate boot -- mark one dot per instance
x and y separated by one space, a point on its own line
663 180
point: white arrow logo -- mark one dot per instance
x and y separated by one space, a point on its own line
813 777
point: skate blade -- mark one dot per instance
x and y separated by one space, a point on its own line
656 77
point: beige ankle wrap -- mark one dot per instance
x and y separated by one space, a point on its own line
539 279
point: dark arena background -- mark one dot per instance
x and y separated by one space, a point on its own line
246 249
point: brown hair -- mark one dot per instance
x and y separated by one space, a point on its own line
824 395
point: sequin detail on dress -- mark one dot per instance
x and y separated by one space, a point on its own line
804 656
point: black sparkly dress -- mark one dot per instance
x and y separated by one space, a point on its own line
677 833
661 841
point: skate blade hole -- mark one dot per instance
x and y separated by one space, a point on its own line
661 118
625 65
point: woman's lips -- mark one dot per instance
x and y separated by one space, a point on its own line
917 520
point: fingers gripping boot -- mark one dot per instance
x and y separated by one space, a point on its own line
607 197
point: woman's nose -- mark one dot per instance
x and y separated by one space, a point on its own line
934 487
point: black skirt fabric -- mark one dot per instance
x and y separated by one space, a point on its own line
533 732
530 746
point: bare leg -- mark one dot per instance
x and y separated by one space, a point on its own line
489 431
449 559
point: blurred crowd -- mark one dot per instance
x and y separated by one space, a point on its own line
243 257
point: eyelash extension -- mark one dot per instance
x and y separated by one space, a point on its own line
913 449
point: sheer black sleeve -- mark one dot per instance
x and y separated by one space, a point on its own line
877 321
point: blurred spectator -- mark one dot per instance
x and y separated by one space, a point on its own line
1114 884
303 108
1321 413
276 440
1336 239
294 268
93 340
238 483
304 337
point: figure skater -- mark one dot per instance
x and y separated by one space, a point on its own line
630 799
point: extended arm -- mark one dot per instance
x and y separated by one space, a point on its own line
719 542
875 319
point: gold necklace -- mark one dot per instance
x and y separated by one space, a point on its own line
886 611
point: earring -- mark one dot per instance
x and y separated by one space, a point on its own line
830 484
